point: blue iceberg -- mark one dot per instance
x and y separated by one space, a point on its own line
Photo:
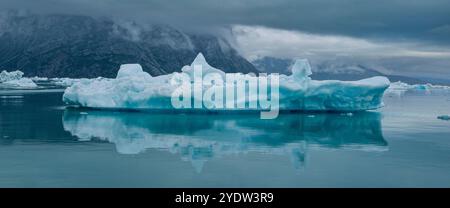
444 117
135 89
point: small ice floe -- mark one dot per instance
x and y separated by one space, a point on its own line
397 89
14 79
39 79
9 76
347 114
62 82
444 117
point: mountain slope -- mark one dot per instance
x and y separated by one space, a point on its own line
81 46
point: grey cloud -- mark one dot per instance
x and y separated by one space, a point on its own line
382 19
402 36
397 58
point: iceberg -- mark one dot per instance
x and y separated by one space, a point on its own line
62 82
399 88
14 79
9 76
135 89
39 79
444 117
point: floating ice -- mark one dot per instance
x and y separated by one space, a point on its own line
130 71
9 76
39 79
444 117
15 79
21 83
63 82
399 88
135 89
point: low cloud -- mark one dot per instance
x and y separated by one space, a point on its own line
381 19
403 58
408 37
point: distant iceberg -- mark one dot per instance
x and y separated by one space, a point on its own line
398 89
444 117
135 89
14 79
61 82
401 86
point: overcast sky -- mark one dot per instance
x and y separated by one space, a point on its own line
414 32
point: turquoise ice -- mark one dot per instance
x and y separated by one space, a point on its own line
135 89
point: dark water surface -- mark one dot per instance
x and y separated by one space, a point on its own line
43 144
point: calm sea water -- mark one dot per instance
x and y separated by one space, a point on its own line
43 144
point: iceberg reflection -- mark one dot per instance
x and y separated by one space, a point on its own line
199 137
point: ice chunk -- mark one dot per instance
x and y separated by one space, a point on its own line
57 81
131 70
399 88
135 89
9 76
15 79
21 83
64 82
301 70
39 79
444 117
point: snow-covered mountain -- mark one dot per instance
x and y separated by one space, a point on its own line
273 65
330 70
82 46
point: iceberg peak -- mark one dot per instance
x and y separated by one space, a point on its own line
199 59
301 70
132 72
127 70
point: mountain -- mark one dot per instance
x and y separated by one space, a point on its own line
82 46
330 71
273 65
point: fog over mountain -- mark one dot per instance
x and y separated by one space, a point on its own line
402 58
83 46
404 38
333 71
